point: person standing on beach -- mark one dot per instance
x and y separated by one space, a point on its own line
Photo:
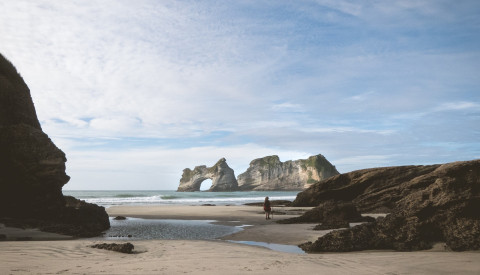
267 208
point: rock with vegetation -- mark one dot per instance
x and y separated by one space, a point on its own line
269 173
222 176
32 168
438 203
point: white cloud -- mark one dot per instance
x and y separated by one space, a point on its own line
457 106
341 78
361 96
286 106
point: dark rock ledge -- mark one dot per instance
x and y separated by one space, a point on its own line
429 204
331 215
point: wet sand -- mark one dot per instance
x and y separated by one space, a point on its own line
221 257
258 228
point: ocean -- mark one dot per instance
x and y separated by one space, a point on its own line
170 197
162 229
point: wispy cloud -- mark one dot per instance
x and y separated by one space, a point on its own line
462 105
365 83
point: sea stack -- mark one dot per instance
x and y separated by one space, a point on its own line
32 168
269 173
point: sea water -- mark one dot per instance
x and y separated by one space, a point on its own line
166 229
150 229
171 197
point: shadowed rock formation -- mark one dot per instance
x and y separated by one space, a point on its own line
331 215
437 203
373 190
269 173
222 176
32 168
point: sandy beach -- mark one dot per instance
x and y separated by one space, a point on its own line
217 256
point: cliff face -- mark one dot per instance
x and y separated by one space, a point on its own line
16 102
222 176
32 168
428 204
269 173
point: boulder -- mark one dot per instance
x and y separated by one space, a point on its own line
122 248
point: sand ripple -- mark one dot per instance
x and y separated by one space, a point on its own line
218 257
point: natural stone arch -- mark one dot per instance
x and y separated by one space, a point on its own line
206 184
222 176
197 183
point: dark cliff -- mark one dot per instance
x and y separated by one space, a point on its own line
32 168
428 204
374 190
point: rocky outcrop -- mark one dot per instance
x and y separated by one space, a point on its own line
80 218
331 215
373 190
222 176
122 248
437 203
269 173
32 168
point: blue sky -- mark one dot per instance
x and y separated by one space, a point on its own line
135 91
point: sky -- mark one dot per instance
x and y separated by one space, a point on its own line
135 91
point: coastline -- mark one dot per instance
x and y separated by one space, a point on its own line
256 228
218 256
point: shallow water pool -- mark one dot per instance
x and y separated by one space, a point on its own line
156 229
153 229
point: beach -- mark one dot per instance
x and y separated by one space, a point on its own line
68 256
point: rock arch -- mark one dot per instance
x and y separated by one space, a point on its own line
222 176
206 184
